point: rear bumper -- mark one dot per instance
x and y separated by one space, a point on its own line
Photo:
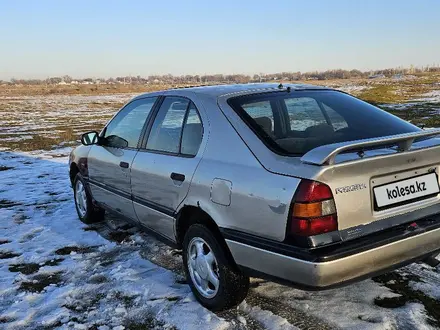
319 274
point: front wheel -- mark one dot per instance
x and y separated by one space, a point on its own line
87 212
214 279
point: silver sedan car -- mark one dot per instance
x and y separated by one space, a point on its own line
299 184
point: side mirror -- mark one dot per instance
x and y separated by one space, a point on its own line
89 138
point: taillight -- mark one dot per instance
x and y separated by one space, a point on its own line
313 210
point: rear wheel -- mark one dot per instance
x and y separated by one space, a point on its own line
213 277
87 212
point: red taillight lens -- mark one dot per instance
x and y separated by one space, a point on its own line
313 210
315 226
310 191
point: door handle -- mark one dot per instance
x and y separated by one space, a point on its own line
124 164
177 177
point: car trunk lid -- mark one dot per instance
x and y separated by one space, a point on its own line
376 184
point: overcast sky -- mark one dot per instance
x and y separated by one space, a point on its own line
107 38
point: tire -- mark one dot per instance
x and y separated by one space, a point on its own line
89 213
232 285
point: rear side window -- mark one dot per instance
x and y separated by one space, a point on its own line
305 120
192 132
263 115
177 128
167 127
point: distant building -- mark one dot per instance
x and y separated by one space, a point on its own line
376 76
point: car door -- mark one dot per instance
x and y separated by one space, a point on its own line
109 162
162 172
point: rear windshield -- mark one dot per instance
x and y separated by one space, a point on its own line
296 122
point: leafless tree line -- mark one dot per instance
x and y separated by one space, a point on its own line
231 78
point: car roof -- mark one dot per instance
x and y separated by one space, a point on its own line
222 90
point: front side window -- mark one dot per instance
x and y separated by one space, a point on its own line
177 128
125 128
309 119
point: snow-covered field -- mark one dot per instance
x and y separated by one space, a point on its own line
56 272
30 122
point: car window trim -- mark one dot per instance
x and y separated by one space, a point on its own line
185 117
149 122
148 119
143 146
284 115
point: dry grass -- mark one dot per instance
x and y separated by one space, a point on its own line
380 94
49 117
102 89
423 82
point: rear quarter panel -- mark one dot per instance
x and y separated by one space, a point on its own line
259 200
355 207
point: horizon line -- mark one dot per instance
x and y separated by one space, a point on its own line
261 74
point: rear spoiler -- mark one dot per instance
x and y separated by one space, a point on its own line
326 154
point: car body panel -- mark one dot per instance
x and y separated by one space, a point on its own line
355 207
156 219
153 189
254 190
78 160
248 188
157 196
320 275
111 183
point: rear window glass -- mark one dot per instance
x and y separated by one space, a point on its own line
297 122
338 122
304 112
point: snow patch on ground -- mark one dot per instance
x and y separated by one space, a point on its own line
352 89
433 96
351 307
83 288
266 318
56 274
33 120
